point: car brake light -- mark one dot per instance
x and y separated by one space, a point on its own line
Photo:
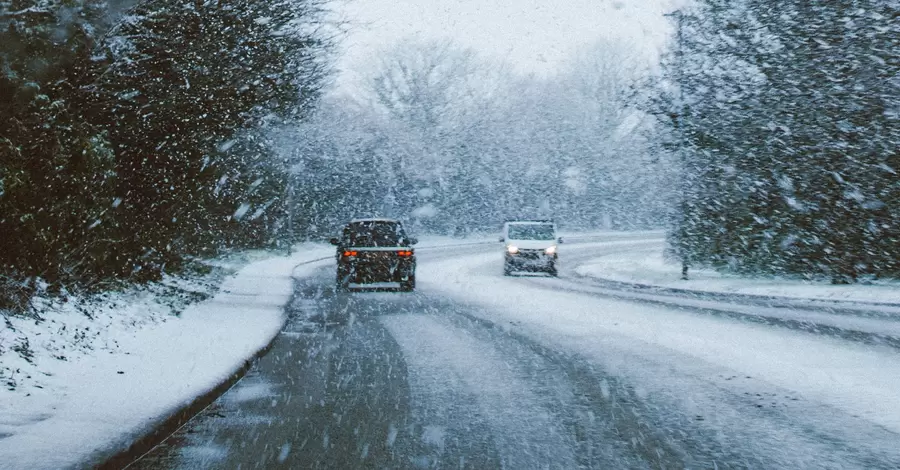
404 253
350 253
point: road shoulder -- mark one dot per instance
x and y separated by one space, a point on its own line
112 402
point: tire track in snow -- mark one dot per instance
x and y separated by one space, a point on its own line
441 358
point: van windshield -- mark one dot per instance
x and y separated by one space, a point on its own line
531 232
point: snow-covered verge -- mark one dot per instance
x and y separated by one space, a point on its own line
91 376
647 266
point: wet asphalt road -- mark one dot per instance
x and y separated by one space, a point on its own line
412 380
336 391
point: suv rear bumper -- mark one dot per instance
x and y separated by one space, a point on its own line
366 272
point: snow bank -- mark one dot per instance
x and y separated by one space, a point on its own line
93 386
647 266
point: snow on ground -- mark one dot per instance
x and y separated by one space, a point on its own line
91 386
647 266
689 355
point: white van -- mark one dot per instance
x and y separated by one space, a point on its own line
530 245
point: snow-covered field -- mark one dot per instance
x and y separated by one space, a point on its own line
87 387
647 266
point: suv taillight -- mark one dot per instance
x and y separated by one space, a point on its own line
404 253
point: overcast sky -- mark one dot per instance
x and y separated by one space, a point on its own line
532 35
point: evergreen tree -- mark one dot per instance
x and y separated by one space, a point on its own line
134 135
789 136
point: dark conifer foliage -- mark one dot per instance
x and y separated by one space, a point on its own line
789 113
132 134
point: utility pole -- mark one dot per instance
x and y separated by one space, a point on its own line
289 197
682 144
289 201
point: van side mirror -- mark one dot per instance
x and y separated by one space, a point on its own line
559 240
334 241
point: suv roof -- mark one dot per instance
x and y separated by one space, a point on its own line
374 232
529 221
375 219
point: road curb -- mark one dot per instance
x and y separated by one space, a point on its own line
121 459
180 417
159 433
772 300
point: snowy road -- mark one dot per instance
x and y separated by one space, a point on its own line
475 370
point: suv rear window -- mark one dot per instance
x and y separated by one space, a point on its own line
531 232
374 233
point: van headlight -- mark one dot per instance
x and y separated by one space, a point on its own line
512 249
551 250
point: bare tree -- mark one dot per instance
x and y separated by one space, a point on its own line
444 131
602 81
429 85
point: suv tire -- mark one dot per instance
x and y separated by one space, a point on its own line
342 283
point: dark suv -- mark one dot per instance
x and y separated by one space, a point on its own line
374 252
